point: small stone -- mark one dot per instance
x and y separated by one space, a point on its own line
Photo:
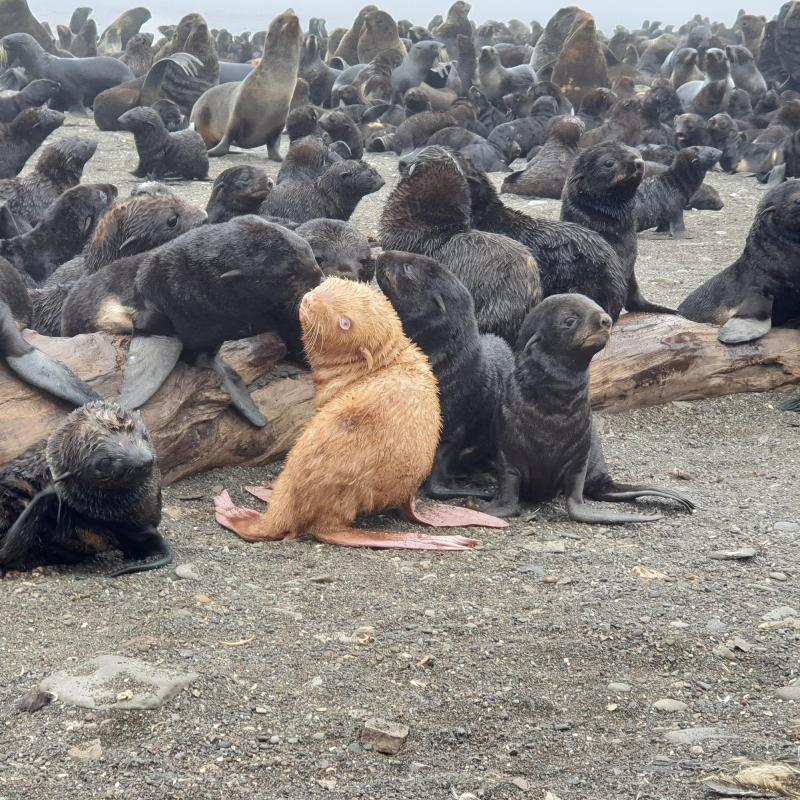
537 570
715 625
88 751
619 688
696 750
564 581
778 614
187 572
385 737
319 736
521 783
679 624
355 748
740 554
551 579
322 579
786 527
547 547
329 784
562 726
742 644
723 652
697 735
260 710
274 739
790 692
669 705
551 796
779 576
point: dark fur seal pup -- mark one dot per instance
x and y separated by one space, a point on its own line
761 288
600 194
415 67
59 167
341 128
339 248
253 112
660 200
20 138
170 114
62 233
726 136
531 131
624 124
161 153
547 171
571 258
92 486
691 130
596 106
581 64
237 191
81 79
334 195
307 160
547 444
138 54
438 314
416 130
428 212
36 93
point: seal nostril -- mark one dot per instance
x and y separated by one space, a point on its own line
605 321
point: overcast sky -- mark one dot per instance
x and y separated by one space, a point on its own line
249 15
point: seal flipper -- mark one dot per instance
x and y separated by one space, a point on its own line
23 537
150 361
8 225
622 492
142 545
441 515
580 511
234 385
752 320
776 176
244 522
38 369
222 148
637 302
384 540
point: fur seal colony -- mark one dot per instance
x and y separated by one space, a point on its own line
466 372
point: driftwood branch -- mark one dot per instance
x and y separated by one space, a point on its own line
651 359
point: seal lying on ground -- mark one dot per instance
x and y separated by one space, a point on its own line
92 486
438 315
547 443
373 438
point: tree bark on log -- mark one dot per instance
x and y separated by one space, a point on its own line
651 359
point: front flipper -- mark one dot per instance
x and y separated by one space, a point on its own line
776 176
222 148
22 546
142 545
441 515
752 320
261 492
384 540
506 504
150 361
637 302
237 389
244 522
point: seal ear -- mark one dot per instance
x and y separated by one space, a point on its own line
367 357
533 341
439 300
87 224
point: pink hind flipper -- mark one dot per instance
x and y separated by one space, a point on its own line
261 492
355 537
441 515
244 522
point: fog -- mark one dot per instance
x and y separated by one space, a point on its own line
247 15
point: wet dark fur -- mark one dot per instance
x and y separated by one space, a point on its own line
306 160
93 486
237 191
339 248
341 128
21 137
34 94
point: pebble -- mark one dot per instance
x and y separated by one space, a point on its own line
187 572
779 576
697 735
723 652
537 570
790 692
322 579
88 751
742 644
786 527
778 614
715 625
619 688
546 547
669 705
733 555
274 739
355 748
385 737
521 783
562 726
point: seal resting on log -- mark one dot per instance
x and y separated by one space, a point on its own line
371 443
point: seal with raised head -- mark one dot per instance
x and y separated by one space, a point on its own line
438 315
339 248
253 112
93 486
372 441
16 16
36 93
547 444
378 37
581 64
600 195
138 54
347 51
117 35
238 191
21 137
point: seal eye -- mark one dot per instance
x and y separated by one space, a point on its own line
609 163
172 221
105 466
569 322
344 323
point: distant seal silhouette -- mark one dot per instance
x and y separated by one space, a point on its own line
253 112
339 248
496 81
347 50
547 442
92 486
237 191
21 137
438 314
139 54
549 44
84 43
81 79
377 403
16 16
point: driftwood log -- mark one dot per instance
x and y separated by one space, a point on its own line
651 359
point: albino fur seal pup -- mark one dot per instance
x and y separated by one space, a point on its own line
372 441
36 93
761 288
181 154
339 248
438 315
253 113
58 168
547 444
92 486
20 138
237 191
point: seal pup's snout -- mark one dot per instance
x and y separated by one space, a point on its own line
605 322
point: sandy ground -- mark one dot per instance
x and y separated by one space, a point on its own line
500 661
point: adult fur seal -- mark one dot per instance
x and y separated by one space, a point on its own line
253 113
378 37
761 288
92 486
600 194
339 248
81 79
138 54
238 191
36 93
58 168
428 212
549 44
496 81
347 51
438 314
181 154
373 438
20 138
547 443
16 17
581 64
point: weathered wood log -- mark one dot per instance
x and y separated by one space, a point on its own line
651 359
